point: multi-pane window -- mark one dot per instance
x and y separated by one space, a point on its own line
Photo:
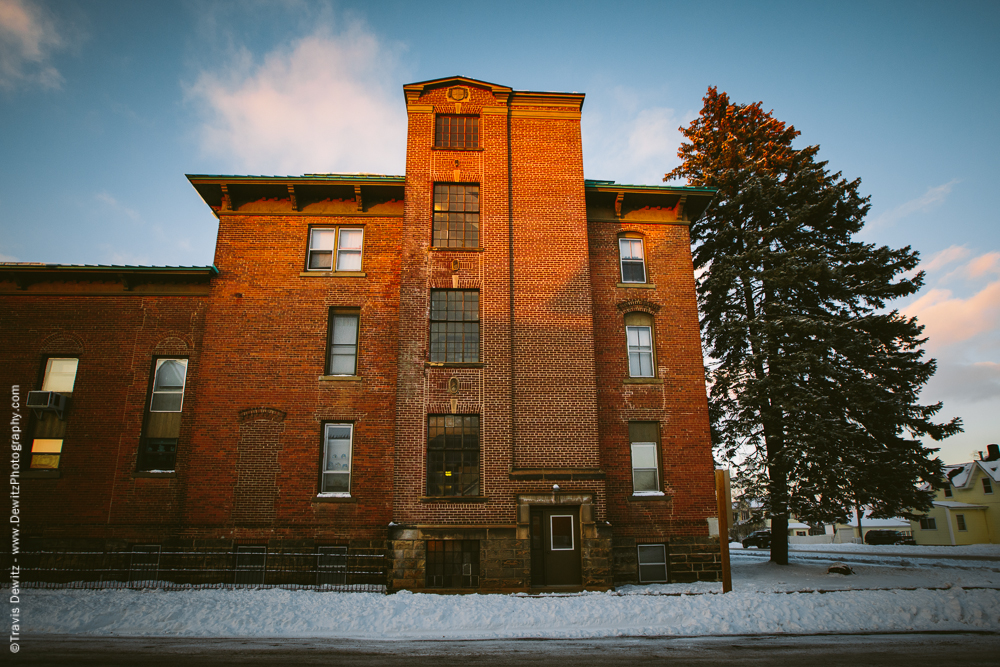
455 325
50 427
644 438
337 445
343 359
452 563
639 335
456 132
633 264
652 563
453 455
456 216
168 385
947 491
987 487
960 521
343 242
158 449
928 523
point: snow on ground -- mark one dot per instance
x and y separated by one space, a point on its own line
758 605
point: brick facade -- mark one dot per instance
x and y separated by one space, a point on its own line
551 384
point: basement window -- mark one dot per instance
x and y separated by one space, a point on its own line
652 563
452 564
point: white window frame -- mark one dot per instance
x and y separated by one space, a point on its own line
326 453
572 533
627 242
648 446
334 314
61 381
639 563
639 350
351 251
335 248
153 392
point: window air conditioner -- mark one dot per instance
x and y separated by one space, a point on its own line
47 401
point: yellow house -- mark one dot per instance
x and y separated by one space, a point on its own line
967 510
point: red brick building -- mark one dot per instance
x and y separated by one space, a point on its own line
490 368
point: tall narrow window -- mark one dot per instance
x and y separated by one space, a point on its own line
632 260
50 427
337 446
158 449
344 242
453 455
639 336
456 132
960 521
987 487
349 249
168 385
343 359
644 438
456 216
455 325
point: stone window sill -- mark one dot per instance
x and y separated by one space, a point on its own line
453 364
334 499
340 378
638 285
166 474
662 497
454 499
333 274
438 248
458 150
642 381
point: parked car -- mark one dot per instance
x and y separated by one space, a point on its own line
759 538
887 537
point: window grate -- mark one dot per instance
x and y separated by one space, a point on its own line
452 564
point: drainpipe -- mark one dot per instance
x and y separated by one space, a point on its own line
951 529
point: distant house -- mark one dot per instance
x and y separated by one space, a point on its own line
967 510
848 533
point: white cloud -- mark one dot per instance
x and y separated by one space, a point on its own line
28 37
926 201
329 102
949 319
631 145
118 207
944 257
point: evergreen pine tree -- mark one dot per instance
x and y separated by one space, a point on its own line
813 383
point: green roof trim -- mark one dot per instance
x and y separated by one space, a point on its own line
590 183
371 178
41 266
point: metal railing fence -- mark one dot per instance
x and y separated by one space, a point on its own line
327 569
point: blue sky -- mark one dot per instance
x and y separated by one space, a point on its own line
104 106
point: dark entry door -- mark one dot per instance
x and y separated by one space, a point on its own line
555 546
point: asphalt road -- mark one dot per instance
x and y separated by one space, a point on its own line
905 650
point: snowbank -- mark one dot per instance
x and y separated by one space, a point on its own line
280 613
